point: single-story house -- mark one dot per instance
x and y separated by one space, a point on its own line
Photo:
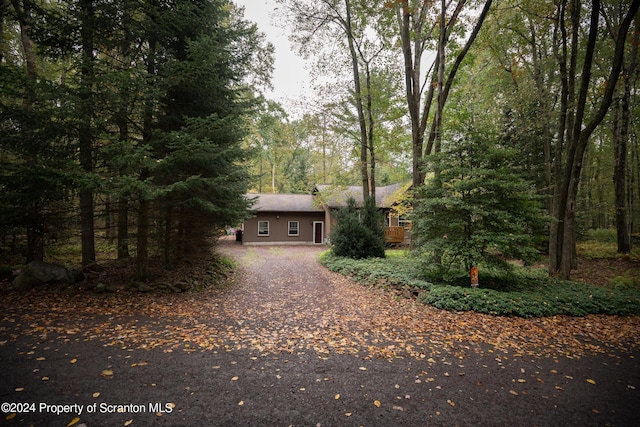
285 219
290 219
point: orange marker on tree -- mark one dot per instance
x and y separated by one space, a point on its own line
474 277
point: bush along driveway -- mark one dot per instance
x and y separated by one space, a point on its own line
289 343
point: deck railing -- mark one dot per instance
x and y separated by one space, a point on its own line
394 234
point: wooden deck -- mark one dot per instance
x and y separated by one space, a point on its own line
394 235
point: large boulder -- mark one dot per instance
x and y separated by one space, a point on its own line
38 273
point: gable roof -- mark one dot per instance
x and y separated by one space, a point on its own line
336 196
268 202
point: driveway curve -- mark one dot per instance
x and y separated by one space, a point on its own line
290 343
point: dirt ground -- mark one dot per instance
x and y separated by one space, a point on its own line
290 343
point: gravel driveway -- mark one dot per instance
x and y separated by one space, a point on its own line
289 343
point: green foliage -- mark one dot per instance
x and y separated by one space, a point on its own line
523 292
393 269
628 280
476 208
602 249
358 234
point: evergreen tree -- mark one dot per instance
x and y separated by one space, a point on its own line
36 165
358 234
476 208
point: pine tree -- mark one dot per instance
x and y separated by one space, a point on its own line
476 208
358 234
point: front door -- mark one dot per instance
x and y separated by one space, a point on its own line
318 232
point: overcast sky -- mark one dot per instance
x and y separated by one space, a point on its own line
289 77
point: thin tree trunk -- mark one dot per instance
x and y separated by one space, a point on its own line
122 232
371 121
364 168
168 222
412 74
85 138
142 250
123 228
621 121
4 9
578 137
144 206
35 226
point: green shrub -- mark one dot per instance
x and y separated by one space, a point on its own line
358 236
523 292
602 235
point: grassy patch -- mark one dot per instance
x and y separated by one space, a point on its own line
524 292
602 244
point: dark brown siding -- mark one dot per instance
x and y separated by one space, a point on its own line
279 227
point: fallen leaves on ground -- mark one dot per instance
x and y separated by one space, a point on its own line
285 302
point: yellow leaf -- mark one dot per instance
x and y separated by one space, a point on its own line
362 368
241 403
41 358
347 414
128 422
451 402
11 416
107 373
73 421
96 394
45 378
515 393
20 389
377 403
73 360
337 396
590 381
235 379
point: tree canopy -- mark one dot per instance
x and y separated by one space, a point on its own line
129 113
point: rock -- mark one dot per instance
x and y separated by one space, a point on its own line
38 273
102 288
143 287
175 289
184 286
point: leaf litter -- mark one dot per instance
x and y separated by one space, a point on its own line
277 307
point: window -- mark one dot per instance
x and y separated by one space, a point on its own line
294 228
263 228
404 222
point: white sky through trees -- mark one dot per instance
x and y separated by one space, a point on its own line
290 78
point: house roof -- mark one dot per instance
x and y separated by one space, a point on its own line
268 202
336 196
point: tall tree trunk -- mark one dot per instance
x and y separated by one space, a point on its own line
123 201
168 222
4 9
371 142
35 223
144 205
85 137
364 168
123 228
435 136
562 240
620 135
621 120
142 245
411 22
